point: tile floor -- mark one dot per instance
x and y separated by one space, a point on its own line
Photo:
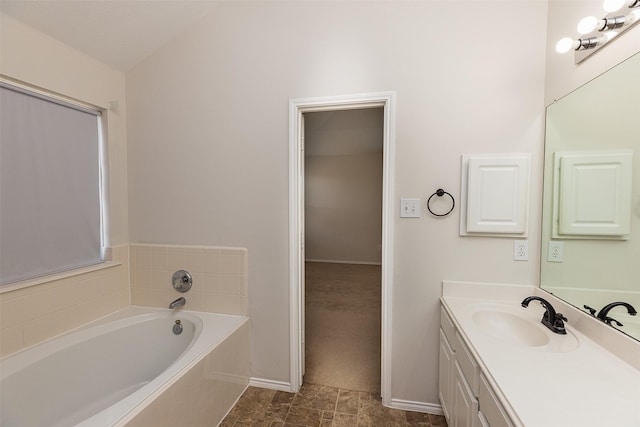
321 406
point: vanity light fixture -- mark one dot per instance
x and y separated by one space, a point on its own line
567 43
591 23
595 33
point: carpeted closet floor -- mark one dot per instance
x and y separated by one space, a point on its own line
343 308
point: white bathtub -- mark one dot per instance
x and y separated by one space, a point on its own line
126 369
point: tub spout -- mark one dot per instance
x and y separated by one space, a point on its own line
180 302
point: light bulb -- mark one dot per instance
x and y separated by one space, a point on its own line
587 25
565 45
612 5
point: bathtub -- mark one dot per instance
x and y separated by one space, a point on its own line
130 369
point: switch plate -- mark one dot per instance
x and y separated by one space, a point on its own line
521 250
409 208
556 250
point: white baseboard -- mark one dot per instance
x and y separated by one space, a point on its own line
333 261
270 384
408 405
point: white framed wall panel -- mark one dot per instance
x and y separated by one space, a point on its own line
497 195
593 193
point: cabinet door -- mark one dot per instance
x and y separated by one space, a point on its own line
465 404
445 376
490 407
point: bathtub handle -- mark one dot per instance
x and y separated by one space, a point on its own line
182 281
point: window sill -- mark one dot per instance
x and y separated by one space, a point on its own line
58 276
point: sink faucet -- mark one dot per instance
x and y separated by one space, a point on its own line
550 319
178 303
603 314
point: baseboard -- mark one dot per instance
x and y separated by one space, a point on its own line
270 384
408 405
333 261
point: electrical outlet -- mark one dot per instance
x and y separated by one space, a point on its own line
555 253
409 208
521 250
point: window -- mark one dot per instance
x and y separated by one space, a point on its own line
50 186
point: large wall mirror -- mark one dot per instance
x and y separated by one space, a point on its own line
590 252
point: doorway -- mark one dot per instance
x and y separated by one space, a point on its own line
297 109
343 158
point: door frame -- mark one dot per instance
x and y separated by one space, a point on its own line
297 107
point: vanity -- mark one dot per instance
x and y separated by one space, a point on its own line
499 366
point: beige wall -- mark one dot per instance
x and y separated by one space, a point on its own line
33 58
208 132
562 75
33 314
208 141
343 185
616 262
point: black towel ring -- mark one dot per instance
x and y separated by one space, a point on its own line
440 192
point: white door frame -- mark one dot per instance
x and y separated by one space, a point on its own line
296 221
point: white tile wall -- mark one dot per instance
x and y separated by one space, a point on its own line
219 277
35 313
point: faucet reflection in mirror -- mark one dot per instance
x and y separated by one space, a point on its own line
595 33
595 270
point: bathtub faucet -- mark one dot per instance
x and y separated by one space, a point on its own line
180 302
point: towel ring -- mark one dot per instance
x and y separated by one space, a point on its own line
440 192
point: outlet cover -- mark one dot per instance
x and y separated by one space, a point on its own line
521 250
556 250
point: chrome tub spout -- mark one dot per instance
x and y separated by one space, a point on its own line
180 302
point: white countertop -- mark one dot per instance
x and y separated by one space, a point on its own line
565 385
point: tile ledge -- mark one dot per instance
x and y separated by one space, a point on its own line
53 277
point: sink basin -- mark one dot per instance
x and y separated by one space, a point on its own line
510 328
513 325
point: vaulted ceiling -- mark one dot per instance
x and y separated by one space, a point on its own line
119 33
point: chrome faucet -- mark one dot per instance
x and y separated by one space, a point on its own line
178 303
552 320
604 312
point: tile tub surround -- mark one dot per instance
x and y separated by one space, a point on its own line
219 277
33 314
318 405
522 376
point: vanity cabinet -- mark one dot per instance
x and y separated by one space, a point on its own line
466 396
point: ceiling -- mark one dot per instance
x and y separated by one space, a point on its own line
119 33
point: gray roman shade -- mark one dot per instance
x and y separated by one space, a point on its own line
50 205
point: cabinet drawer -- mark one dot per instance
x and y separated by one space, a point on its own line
467 363
490 408
448 327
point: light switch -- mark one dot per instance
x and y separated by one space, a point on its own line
409 208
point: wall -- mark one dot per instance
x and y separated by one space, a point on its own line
32 314
617 264
36 59
562 75
208 141
343 185
219 277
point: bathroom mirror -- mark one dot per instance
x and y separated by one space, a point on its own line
600 117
